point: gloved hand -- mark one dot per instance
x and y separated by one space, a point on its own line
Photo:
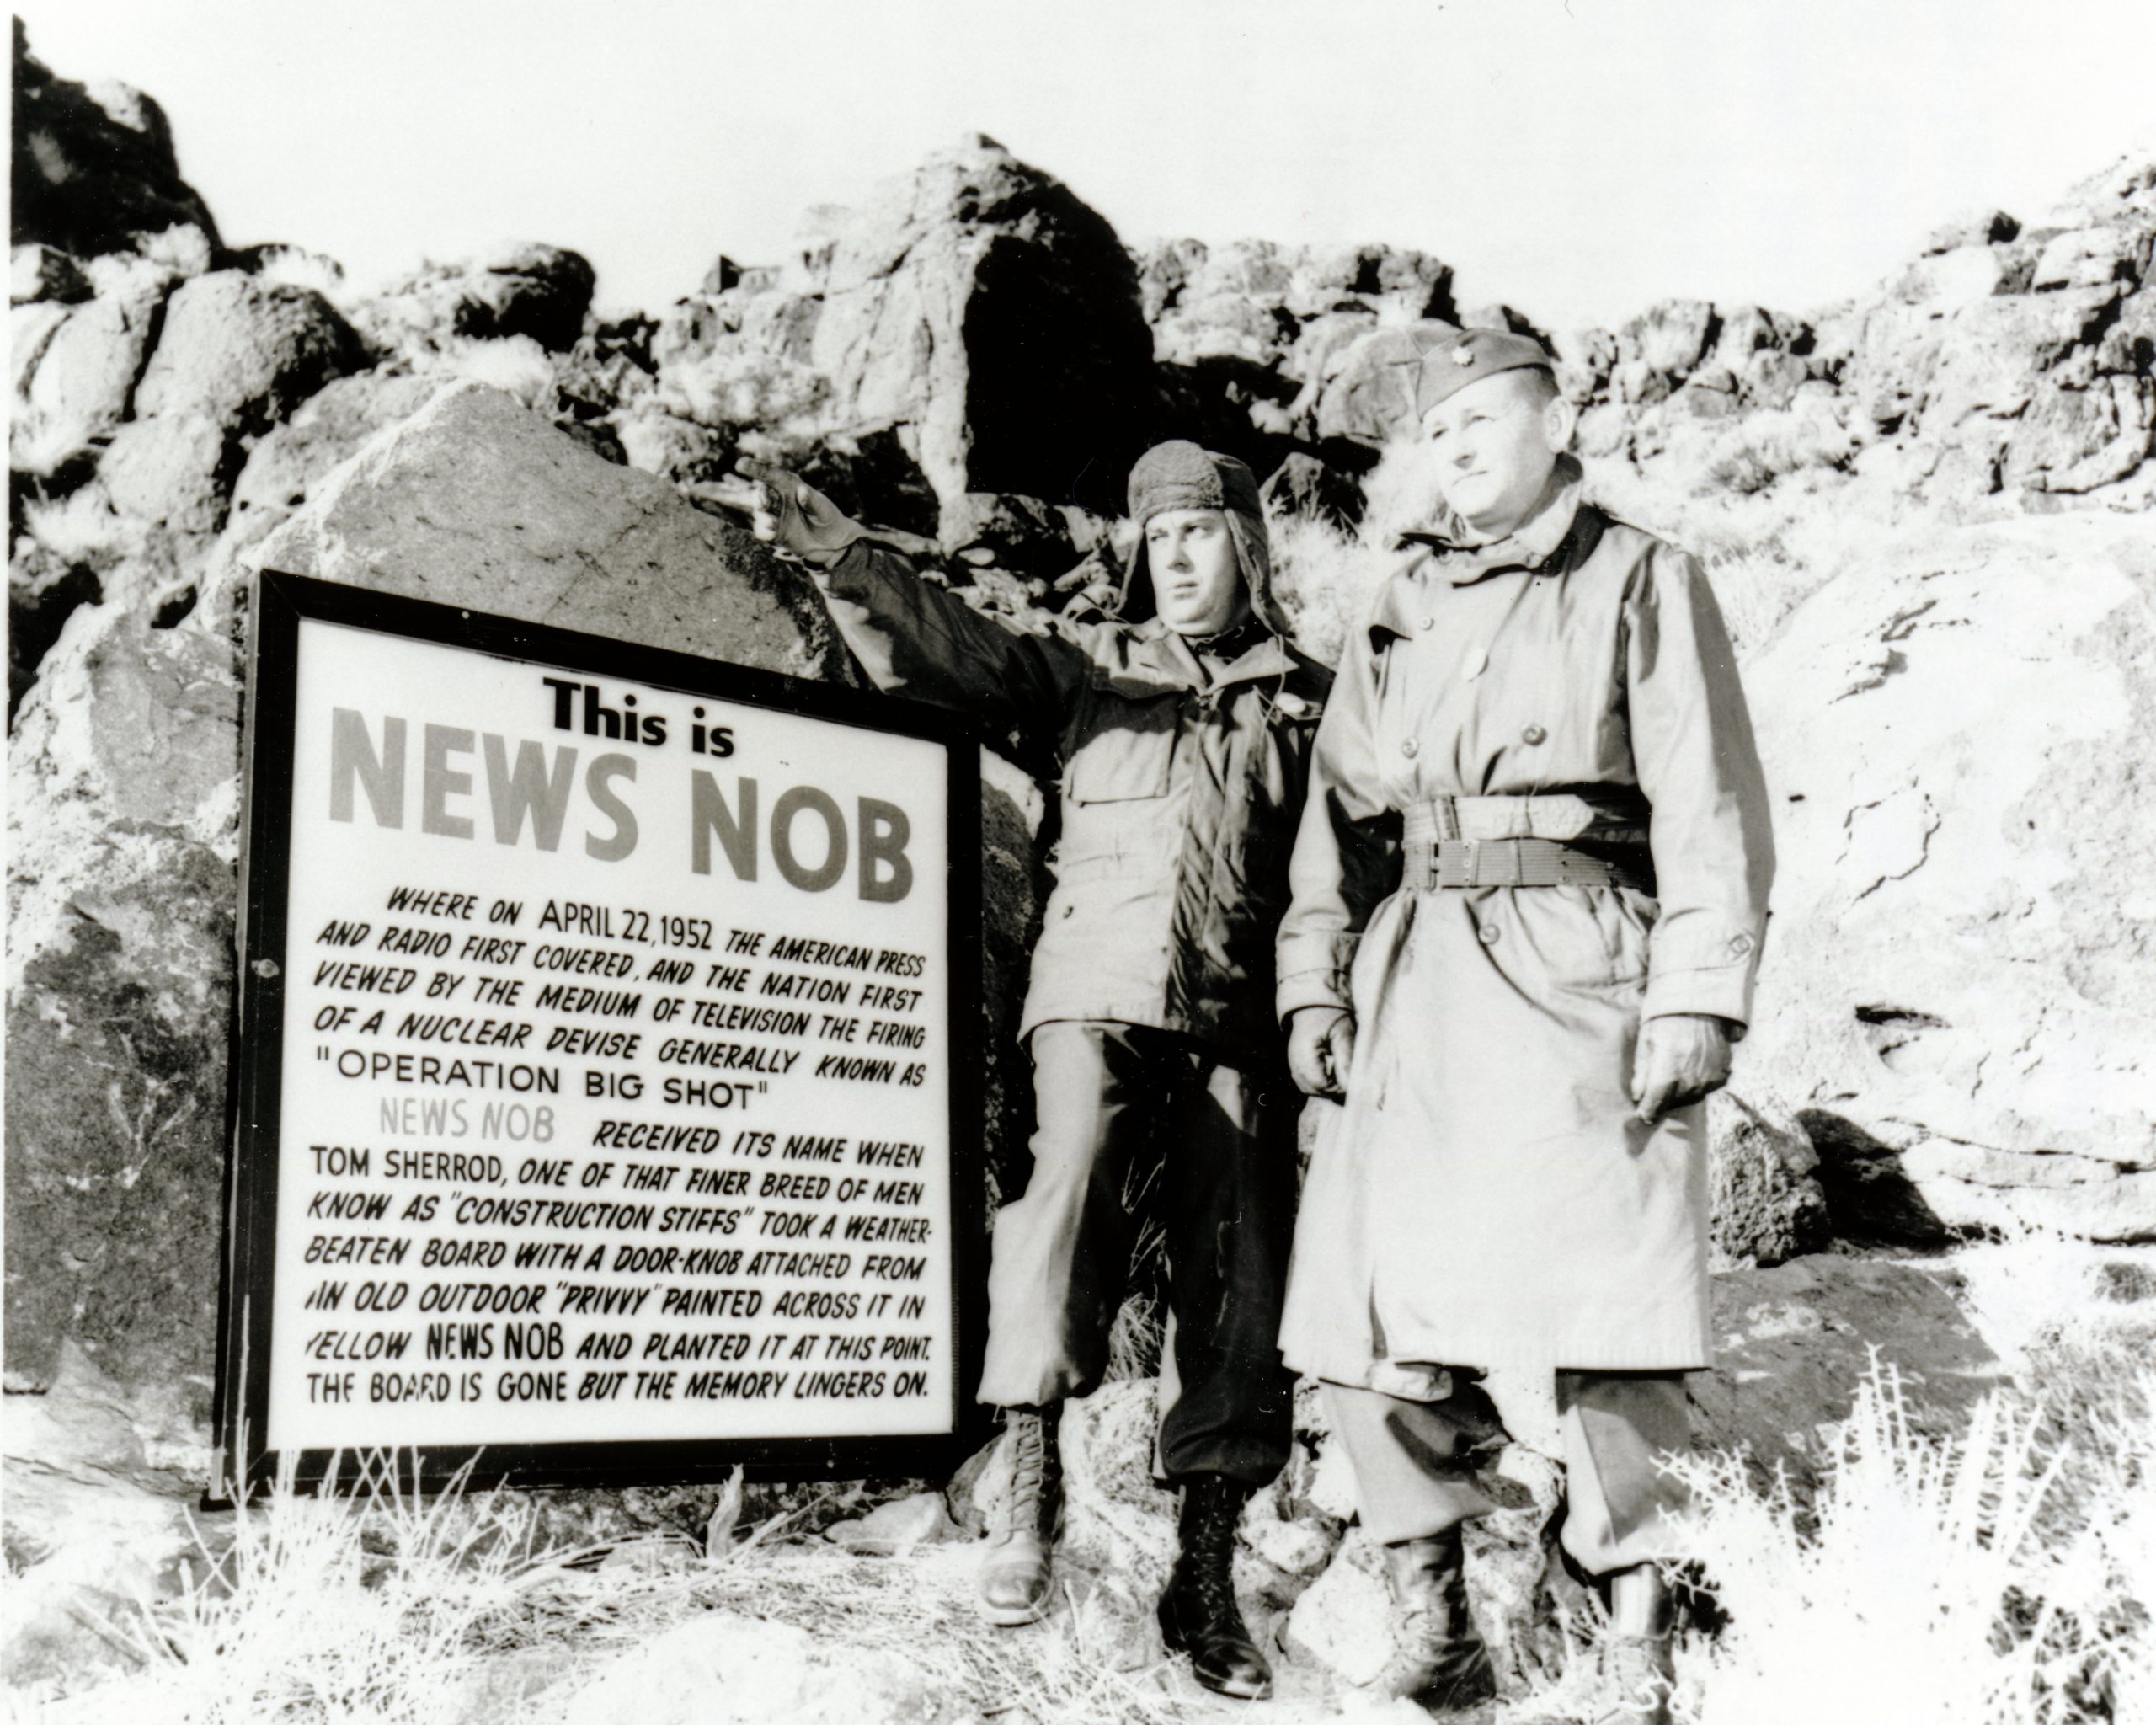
1680 1059
788 512
1320 1049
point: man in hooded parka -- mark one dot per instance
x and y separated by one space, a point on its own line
1185 741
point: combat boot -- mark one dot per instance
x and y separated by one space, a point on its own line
1637 1677
1016 1570
1198 1615
1439 1661
1637 1671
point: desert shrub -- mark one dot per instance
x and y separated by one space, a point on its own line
1949 1582
514 364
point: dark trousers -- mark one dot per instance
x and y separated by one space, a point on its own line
1061 1254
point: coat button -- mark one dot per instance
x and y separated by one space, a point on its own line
1533 734
1488 934
1740 944
1429 622
1408 746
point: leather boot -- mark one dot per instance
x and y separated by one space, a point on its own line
1015 1568
1637 1671
1199 1615
1637 1677
1439 1660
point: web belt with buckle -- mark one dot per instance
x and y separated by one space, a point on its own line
1436 856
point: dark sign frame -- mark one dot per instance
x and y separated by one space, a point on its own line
281 602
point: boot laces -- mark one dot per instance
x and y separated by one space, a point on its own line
1211 1559
1032 1468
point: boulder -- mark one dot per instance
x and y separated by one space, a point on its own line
1988 228
1792 1342
1942 725
1304 485
1020 534
473 500
75 378
976 302
286 465
895 1528
539 291
174 471
1767 1206
94 165
124 803
123 808
42 272
243 353
44 590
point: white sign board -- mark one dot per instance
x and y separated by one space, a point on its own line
598 1107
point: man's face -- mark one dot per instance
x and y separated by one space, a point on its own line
1494 443
1198 582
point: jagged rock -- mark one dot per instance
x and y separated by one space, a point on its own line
1994 227
74 378
1792 1343
123 811
1367 394
540 292
41 272
244 353
175 470
94 165
1304 485
869 474
759 1672
1767 1207
284 469
1933 838
44 590
895 1528
1021 534
475 501
958 303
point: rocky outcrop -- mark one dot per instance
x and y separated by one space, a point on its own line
473 500
539 292
2007 362
94 165
977 304
1957 999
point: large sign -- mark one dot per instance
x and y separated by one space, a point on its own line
601 1104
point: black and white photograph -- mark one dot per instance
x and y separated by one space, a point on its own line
969 863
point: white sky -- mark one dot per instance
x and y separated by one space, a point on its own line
1580 158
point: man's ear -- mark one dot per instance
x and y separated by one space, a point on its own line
1560 419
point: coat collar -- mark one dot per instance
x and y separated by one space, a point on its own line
1160 649
1560 534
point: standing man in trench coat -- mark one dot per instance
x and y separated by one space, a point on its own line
1529 891
1185 740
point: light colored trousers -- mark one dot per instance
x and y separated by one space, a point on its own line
1414 1477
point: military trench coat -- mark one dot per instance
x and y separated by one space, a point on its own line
1485 1197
